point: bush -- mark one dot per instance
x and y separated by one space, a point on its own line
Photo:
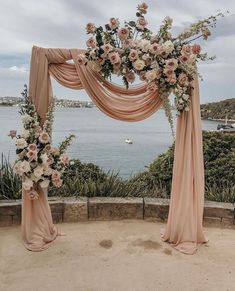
10 183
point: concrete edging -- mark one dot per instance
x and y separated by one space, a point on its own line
114 208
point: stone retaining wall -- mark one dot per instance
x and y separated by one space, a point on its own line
107 208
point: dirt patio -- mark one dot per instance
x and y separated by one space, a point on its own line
116 255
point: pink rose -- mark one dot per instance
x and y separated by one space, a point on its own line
57 183
168 72
133 55
12 133
142 76
152 87
127 43
186 49
90 27
113 23
107 48
114 57
32 155
172 63
141 23
130 77
123 33
183 80
44 137
184 59
196 48
81 59
155 48
142 8
91 42
64 159
55 175
172 79
33 195
49 148
32 147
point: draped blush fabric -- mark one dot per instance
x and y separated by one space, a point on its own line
38 230
184 227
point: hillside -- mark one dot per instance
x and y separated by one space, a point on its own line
218 110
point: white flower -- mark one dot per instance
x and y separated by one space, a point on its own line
47 171
185 96
21 143
44 158
26 118
24 167
151 75
27 184
144 44
34 178
168 46
71 163
155 65
16 168
45 183
38 172
139 64
25 134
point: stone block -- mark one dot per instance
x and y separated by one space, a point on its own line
218 209
156 209
108 208
75 210
6 220
228 223
212 221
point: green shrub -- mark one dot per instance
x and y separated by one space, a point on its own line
10 183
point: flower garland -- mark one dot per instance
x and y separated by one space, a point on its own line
165 63
38 162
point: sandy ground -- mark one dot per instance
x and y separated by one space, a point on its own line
106 256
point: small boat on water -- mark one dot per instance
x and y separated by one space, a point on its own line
129 141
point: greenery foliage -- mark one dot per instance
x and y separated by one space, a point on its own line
218 110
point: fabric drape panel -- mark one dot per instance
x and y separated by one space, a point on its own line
38 230
184 227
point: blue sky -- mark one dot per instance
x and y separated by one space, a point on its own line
61 23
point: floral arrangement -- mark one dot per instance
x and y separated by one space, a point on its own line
38 162
166 63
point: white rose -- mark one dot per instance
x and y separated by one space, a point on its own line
16 168
21 143
95 66
27 184
144 44
24 167
44 158
47 171
38 171
26 118
45 183
151 75
168 46
71 163
26 134
185 97
139 65
34 178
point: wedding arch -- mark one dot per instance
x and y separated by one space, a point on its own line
165 64
184 226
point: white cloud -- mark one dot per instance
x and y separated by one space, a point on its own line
60 23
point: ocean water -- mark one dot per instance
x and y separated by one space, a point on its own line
101 139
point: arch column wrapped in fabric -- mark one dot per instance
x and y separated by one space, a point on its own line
184 226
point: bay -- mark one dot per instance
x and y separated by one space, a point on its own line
101 139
